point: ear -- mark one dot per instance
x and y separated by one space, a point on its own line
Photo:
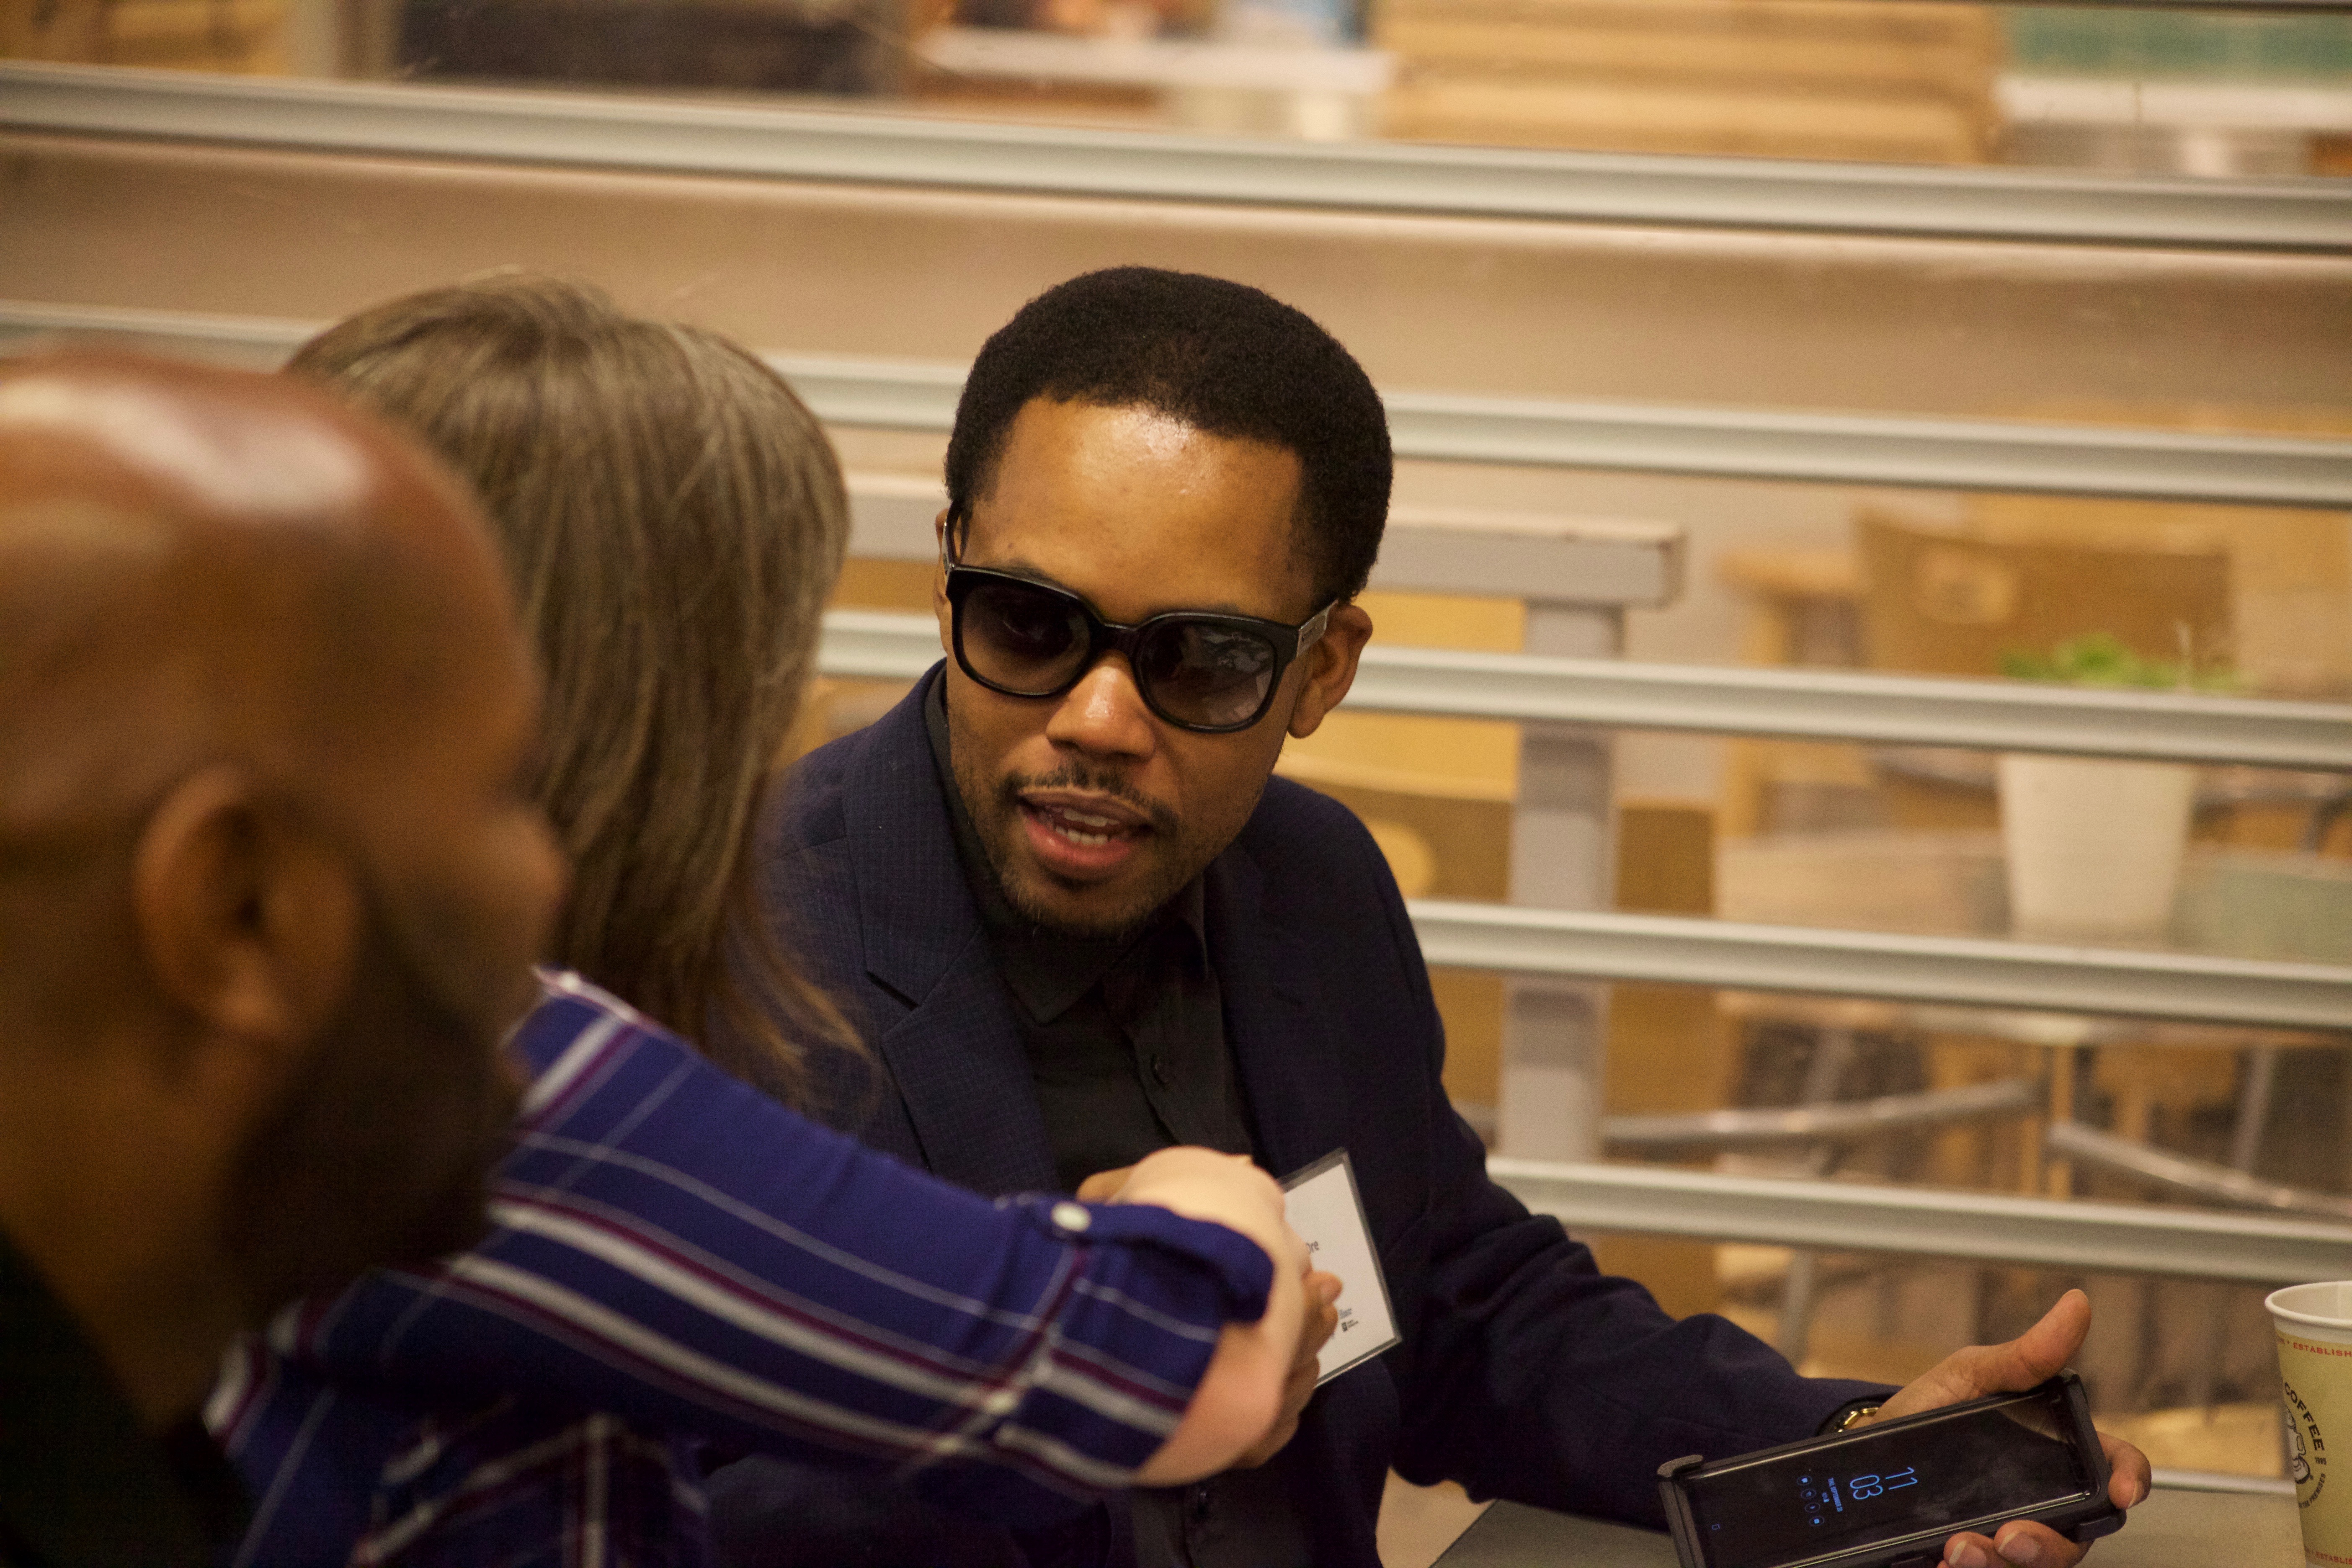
939 607
248 919
1331 667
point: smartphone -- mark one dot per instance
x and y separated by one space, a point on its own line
1890 1494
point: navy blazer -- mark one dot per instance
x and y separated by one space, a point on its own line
1524 1372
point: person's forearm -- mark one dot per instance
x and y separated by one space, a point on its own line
692 1257
1240 1397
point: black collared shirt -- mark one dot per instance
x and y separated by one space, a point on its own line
1126 1040
82 1485
1126 1036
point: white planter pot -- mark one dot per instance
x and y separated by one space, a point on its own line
2094 846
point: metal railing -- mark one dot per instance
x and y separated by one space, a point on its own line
1837 449
1828 1125
2177 1175
1794 702
1975 972
676 136
1673 950
1841 448
2071 1233
1807 703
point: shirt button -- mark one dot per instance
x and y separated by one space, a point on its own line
1072 1216
1160 1071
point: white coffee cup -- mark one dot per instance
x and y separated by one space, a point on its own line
2314 1324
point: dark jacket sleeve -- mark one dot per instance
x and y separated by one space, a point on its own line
1526 1372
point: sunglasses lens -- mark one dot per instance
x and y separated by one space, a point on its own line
1022 640
1203 673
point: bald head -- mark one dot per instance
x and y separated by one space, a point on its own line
199 564
271 876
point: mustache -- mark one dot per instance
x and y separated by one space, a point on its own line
1075 775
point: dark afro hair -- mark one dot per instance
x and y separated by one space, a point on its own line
1223 358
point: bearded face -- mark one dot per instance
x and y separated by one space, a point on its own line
379 1150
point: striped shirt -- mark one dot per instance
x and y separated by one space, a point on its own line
674 1258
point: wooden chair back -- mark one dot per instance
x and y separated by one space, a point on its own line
1943 602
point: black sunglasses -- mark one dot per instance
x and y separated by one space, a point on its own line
1209 673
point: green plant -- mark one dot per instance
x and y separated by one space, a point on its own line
2101 658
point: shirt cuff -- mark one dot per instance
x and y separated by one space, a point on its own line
1244 1274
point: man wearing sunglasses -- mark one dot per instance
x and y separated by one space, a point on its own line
1062 894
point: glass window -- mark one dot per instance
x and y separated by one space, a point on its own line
2221 92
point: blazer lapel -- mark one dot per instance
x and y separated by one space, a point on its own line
1296 1085
956 1056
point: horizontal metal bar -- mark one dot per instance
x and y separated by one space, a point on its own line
1867 449
877 645
2219 1481
890 394
1851 1216
2181 1176
1827 704
1678 950
1833 1122
1807 703
689 137
260 343
2239 8
1580 560
1675 950
1839 449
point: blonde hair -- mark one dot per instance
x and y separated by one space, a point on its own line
673 519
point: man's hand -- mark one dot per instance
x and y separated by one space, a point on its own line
1243 1400
2040 1353
1322 1322
1104 1186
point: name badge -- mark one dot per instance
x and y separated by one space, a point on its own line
1324 1208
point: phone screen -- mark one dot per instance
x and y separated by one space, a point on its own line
1996 1460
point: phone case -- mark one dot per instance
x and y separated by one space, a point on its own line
2082 1519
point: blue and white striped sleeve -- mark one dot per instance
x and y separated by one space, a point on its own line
674 1248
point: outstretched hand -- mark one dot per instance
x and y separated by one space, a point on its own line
1244 1396
2039 1354
1322 1322
1322 1291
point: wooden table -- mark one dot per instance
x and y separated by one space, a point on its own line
2171 1529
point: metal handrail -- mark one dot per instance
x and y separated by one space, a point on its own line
1750 443
671 135
1675 950
1871 449
1682 951
1794 702
1846 705
2073 1233
1782 702
2178 1174
1662 438
1974 972
2165 1480
1803 703
1830 1123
